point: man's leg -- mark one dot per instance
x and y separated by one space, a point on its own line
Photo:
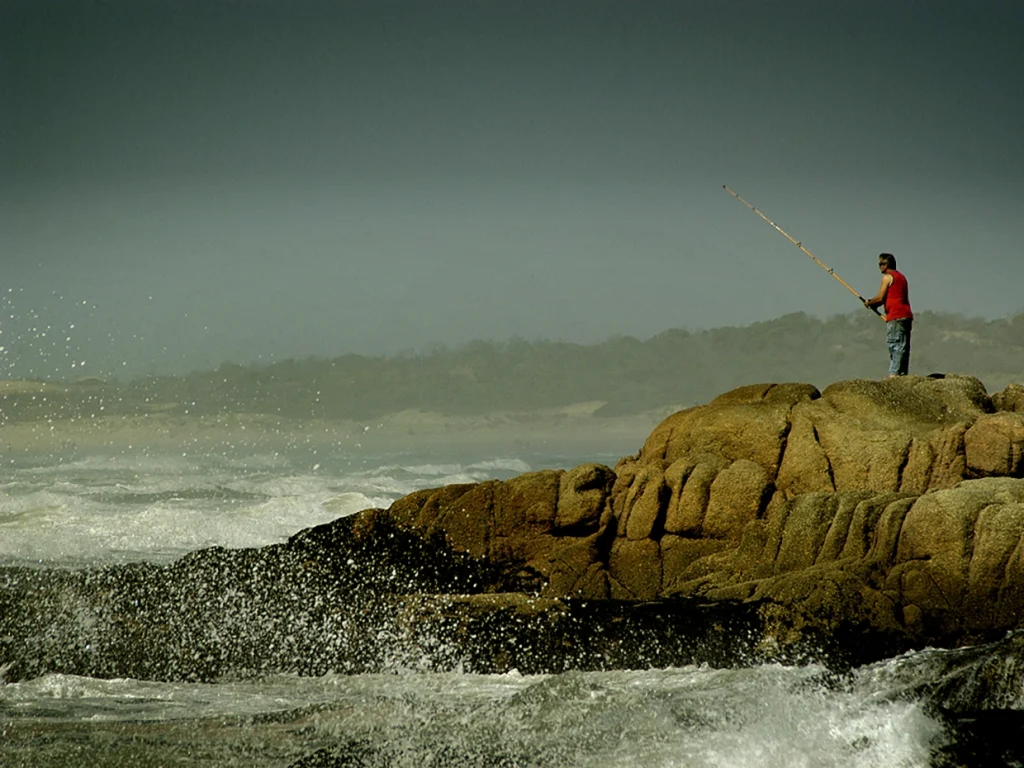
905 357
892 340
898 341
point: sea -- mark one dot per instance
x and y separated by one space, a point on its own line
933 707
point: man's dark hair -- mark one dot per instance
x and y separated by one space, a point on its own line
889 260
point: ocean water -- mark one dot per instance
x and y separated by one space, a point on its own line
934 707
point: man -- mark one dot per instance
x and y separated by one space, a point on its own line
894 295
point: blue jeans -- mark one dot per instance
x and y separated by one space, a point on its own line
897 336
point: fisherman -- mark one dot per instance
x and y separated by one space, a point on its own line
894 296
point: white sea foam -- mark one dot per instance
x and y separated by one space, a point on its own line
113 508
506 465
768 717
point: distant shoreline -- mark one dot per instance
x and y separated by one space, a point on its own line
548 429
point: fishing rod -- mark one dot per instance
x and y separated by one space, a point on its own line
799 245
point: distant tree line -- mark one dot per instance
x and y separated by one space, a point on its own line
674 368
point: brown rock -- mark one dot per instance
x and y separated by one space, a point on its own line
827 600
582 493
910 402
467 521
681 558
997 538
567 566
863 458
645 502
917 473
875 527
805 466
804 531
733 430
839 528
846 507
1010 399
523 510
692 492
737 496
950 465
635 568
933 555
994 445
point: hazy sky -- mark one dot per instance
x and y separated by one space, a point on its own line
188 182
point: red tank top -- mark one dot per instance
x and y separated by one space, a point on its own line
897 298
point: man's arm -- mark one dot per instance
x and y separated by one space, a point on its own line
879 298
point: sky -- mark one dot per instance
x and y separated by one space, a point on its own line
186 182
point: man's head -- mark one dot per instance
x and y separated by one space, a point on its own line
886 261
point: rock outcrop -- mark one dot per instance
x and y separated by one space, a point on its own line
895 504
776 521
